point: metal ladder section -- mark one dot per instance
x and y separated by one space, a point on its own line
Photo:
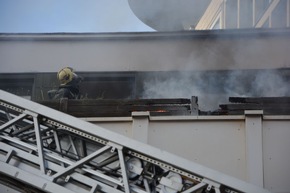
55 152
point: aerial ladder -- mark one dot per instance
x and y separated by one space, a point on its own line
50 151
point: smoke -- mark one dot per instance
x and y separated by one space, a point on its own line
270 84
215 87
182 85
171 87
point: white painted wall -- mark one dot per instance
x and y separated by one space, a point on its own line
221 50
252 147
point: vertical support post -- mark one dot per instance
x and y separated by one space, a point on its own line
194 105
270 21
39 143
124 171
83 148
254 147
123 166
140 126
224 15
254 13
238 13
57 143
288 14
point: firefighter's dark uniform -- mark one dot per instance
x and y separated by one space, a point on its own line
69 91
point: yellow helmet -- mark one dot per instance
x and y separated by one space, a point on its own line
65 75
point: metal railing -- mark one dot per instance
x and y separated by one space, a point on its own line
235 14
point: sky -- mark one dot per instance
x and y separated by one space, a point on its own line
53 16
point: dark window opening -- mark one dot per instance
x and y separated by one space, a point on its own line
108 88
17 85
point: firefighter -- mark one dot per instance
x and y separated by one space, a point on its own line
69 84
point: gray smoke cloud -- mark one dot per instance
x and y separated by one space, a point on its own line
214 88
270 84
